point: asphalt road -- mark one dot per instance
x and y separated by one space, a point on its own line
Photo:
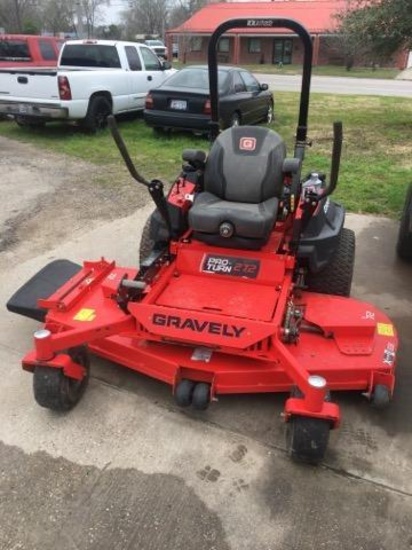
340 85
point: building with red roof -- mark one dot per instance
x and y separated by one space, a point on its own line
258 46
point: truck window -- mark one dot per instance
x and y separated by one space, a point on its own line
133 58
14 50
90 55
150 59
47 51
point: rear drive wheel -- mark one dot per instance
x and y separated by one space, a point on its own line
404 244
307 439
154 235
53 390
337 276
146 241
97 113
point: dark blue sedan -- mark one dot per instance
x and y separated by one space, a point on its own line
183 102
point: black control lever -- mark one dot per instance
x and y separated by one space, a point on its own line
156 187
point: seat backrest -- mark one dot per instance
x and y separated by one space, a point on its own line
245 165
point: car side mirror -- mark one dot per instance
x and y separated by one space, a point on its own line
166 65
264 87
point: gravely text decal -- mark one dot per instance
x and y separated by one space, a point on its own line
188 323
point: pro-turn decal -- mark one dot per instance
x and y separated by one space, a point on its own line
85 315
230 265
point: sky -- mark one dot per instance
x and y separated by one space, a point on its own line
111 14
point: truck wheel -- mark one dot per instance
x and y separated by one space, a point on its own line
97 113
404 244
336 278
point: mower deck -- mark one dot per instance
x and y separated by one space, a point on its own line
236 348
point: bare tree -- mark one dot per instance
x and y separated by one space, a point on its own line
58 16
147 17
181 10
91 10
14 14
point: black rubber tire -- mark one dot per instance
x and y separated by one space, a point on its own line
269 118
307 439
146 242
404 244
184 392
235 120
98 111
55 391
201 396
381 397
337 276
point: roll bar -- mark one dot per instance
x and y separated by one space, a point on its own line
266 23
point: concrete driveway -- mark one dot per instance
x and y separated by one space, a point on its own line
127 469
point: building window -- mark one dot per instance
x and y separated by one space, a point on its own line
196 44
254 45
282 51
223 45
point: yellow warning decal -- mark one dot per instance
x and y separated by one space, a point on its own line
85 314
385 329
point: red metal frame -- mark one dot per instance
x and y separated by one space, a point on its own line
240 320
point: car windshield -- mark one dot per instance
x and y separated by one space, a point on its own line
195 78
154 43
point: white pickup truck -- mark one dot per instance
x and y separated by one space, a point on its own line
94 78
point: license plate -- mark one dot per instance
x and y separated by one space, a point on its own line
24 109
178 104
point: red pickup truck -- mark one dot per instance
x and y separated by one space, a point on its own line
23 50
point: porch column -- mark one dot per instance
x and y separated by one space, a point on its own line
236 50
316 46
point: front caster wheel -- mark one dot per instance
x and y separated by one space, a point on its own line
184 392
307 439
201 396
381 397
57 392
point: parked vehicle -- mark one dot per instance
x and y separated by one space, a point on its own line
404 244
183 101
23 50
158 47
94 78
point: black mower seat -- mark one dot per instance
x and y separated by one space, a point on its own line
243 182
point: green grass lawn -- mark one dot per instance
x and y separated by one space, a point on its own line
376 161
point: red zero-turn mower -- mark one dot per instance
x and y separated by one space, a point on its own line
242 288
